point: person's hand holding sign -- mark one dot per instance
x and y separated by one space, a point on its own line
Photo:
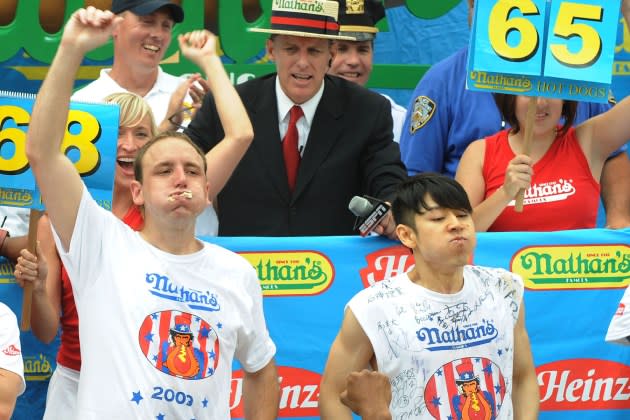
539 57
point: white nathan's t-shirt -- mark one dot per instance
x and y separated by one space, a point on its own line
619 328
159 331
10 348
441 350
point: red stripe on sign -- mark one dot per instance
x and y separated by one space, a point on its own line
304 22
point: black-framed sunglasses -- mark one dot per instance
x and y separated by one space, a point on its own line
186 112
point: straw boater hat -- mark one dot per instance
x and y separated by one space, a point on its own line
358 18
307 18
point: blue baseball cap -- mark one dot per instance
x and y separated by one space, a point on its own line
146 7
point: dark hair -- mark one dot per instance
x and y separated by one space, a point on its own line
410 198
137 164
507 106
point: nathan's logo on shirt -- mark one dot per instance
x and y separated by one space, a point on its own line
299 393
583 384
620 309
457 337
292 273
164 288
385 263
469 388
573 266
548 192
11 350
37 368
180 344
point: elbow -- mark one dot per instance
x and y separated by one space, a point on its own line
245 136
33 154
46 335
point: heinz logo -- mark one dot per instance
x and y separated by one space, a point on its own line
584 384
299 393
386 263
292 273
573 266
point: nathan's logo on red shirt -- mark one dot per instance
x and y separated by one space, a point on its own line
299 393
584 384
11 350
386 263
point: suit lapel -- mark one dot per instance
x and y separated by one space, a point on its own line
325 132
267 136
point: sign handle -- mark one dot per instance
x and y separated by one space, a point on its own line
527 145
31 246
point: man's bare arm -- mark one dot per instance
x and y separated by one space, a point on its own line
261 393
58 180
10 386
350 352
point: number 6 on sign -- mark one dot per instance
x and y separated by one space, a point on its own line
542 47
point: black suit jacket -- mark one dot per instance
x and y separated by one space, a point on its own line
349 152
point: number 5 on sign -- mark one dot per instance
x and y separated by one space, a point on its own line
542 47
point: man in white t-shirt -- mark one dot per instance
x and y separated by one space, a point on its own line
163 315
11 365
451 337
140 42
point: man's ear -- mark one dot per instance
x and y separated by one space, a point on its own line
406 235
270 48
136 193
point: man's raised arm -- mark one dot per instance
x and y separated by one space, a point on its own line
58 180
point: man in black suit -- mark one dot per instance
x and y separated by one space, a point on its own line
345 137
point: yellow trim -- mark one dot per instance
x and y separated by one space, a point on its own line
357 28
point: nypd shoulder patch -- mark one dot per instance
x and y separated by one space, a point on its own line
423 109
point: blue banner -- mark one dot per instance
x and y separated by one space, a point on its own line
574 282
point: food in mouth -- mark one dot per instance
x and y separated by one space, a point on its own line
182 194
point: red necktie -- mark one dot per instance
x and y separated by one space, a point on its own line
290 146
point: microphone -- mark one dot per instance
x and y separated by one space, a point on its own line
370 209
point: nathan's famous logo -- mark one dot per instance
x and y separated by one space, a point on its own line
438 339
180 344
303 5
475 388
291 273
37 368
299 393
16 198
584 384
163 287
548 192
6 271
494 81
385 263
573 266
